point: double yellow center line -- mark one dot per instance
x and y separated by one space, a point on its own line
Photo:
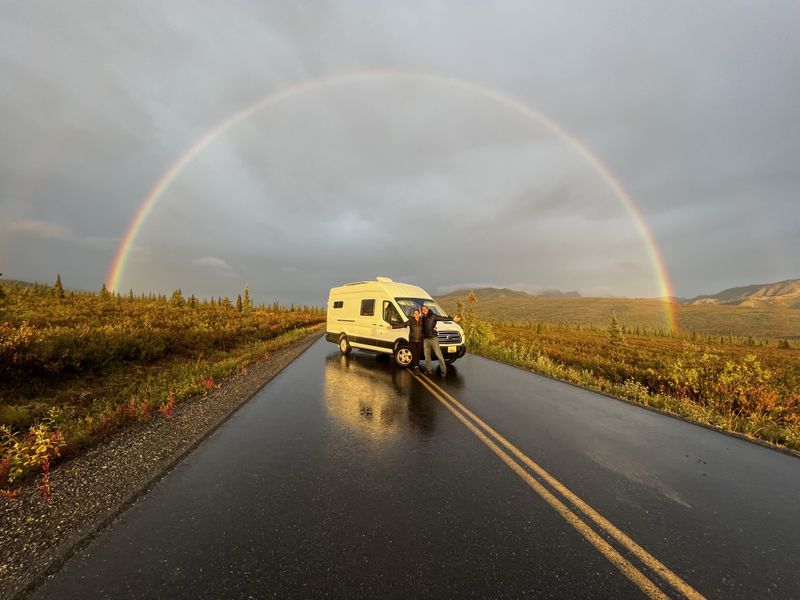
517 461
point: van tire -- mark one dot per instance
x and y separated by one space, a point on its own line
344 346
403 356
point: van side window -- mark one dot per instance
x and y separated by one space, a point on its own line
390 314
338 304
368 308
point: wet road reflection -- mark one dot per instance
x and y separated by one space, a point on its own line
373 397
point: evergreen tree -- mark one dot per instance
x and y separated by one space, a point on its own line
192 301
614 330
177 298
58 287
247 304
239 303
104 291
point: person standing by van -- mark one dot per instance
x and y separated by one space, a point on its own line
415 336
431 339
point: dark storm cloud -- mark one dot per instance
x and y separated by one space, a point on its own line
694 107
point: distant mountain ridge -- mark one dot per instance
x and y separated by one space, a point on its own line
767 311
491 292
780 293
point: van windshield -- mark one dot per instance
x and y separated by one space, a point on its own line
407 305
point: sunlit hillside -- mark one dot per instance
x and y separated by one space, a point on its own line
765 320
784 294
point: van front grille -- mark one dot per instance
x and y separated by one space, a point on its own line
449 337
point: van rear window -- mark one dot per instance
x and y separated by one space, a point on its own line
338 303
367 308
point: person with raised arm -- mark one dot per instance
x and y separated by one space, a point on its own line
431 339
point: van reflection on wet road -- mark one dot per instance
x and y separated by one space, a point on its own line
376 399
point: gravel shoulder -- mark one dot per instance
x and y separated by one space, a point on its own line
37 536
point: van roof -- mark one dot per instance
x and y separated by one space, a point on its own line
395 289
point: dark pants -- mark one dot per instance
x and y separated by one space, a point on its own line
416 353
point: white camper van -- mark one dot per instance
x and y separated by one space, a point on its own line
360 315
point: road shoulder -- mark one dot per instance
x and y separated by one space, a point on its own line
37 536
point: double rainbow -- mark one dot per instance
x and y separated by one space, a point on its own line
117 267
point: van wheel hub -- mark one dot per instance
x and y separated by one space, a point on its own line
403 356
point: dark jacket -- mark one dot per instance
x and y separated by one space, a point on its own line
415 331
429 325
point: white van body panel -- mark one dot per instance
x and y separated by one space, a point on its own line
369 331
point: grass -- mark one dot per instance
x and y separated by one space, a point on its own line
767 322
77 367
744 385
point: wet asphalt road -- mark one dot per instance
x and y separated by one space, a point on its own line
346 477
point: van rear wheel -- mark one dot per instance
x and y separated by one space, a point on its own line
403 356
344 346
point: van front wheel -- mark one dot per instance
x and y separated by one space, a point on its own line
403 356
344 346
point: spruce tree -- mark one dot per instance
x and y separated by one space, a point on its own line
239 303
614 330
177 298
58 287
247 304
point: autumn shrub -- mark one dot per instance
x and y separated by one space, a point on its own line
743 387
29 452
103 362
90 333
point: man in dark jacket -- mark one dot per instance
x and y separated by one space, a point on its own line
415 336
431 341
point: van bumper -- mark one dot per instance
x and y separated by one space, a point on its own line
461 350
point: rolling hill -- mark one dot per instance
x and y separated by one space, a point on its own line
782 293
765 311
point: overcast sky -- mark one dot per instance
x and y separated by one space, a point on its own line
693 106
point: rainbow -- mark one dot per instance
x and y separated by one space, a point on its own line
117 266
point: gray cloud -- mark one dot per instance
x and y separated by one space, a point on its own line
692 106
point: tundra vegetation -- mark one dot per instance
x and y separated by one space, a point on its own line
77 366
746 385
